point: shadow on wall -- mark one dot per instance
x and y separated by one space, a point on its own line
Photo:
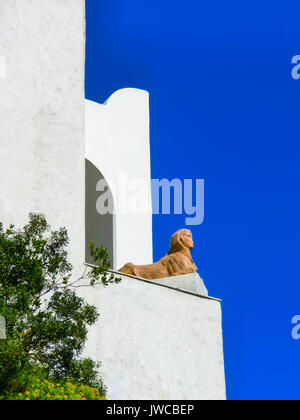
98 228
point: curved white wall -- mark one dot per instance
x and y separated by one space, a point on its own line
117 143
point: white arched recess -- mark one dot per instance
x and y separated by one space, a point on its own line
118 145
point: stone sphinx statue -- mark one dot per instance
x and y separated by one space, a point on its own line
178 260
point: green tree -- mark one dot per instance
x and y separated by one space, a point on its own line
46 322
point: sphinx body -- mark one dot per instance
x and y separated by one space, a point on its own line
178 260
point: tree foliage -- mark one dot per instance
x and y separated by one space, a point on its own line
49 391
46 322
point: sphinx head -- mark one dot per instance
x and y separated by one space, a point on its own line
181 240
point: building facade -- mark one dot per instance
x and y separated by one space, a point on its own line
155 341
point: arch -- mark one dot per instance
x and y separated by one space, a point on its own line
98 228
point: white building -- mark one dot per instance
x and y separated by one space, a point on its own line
164 342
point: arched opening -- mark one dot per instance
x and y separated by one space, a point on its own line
99 228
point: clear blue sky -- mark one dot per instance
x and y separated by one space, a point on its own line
224 108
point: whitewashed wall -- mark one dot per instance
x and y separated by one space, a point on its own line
156 342
117 143
42 114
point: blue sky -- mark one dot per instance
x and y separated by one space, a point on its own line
225 108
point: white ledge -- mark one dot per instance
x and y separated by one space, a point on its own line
159 282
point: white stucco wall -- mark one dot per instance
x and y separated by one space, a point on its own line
156 342
42 115
117 143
